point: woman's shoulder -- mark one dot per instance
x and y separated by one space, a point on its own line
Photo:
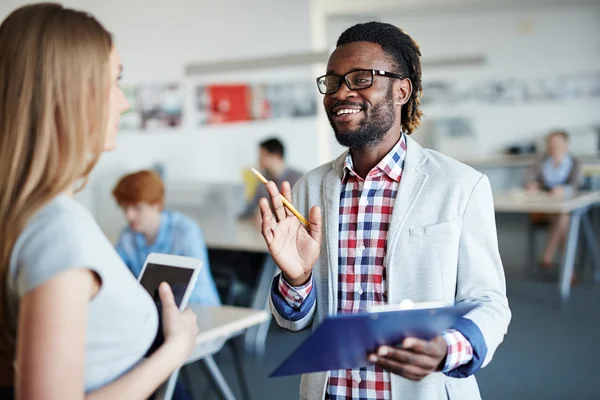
63 218
61 235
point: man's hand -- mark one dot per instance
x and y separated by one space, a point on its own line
294 248
414 359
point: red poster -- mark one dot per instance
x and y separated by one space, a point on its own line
229 103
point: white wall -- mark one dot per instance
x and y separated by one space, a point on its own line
518 43
156 40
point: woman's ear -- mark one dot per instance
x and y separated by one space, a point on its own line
403 92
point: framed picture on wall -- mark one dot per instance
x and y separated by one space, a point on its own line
160 106
292 99
238 102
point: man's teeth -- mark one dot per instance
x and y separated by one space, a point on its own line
347 111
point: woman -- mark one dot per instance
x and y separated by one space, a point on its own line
73 320
558 173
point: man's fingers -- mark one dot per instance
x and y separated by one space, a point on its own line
408 357
278 206
411 372
267 220
286 191
427 347
265 210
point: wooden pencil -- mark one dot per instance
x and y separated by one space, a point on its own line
283 199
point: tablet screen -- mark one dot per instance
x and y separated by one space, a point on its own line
178 278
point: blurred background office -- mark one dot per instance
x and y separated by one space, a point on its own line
209 81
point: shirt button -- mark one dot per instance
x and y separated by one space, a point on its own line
297 298
364 202
361 247
356 377
359 290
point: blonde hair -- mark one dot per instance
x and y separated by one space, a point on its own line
54 90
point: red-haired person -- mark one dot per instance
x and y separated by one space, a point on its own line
152 229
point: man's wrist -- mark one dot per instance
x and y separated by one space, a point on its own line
300 281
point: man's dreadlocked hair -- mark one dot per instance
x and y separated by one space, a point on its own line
404 52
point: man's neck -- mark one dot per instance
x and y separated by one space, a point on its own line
364 160
151 234
276 171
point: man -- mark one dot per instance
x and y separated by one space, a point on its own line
401 223
155 230
558 173
272 163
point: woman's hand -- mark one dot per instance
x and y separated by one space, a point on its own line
179 328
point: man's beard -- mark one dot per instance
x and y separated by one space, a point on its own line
373 127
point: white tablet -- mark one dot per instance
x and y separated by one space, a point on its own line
179 272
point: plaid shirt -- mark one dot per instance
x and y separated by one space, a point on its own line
365 212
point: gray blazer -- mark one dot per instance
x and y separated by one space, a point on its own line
442 246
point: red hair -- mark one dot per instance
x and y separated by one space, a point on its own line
140 187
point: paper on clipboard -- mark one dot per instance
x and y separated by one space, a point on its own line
408 305
343 341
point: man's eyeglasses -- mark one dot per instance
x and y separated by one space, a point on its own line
355 80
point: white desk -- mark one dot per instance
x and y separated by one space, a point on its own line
523 202
521 160
238 236
577 206
215 326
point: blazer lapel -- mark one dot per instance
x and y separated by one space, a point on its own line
332 189
411 184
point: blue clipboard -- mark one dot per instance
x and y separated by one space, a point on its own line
343 341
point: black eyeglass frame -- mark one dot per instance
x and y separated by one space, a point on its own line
344 78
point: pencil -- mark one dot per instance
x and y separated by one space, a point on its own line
283 199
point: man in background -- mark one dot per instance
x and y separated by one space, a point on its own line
557 172
152 229
274 168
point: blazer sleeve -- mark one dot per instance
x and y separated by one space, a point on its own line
481 280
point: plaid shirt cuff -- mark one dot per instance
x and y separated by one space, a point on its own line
460 350
294 296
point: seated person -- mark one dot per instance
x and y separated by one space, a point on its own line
558 173
272 164
155 230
